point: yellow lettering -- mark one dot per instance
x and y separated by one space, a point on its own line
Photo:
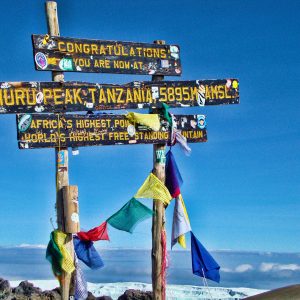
163 93
94 49
70 47
57 96
102 98
68 97
221 89
185 93
111 95
119 93
61 46
77 97
132 52
19 94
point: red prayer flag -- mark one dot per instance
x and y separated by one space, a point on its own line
95 234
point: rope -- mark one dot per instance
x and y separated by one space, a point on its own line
164 263
57 179
205 283
58 120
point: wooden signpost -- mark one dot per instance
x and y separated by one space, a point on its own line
54 53
51 97
158 219
62 169
31 100
50 130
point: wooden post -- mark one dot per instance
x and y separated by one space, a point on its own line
61 157
158 219
71 211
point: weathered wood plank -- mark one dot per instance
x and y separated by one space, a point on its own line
71 209
54 53
49 130
32 97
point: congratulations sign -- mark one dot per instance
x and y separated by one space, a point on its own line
82 55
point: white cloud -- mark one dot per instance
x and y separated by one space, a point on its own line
226 270
267 267
32 246
239 269
243 268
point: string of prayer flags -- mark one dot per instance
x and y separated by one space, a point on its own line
131 214
153 188
54 256
150 120
181 224
203 263
81 289
58 255
96 234
86 252
173 176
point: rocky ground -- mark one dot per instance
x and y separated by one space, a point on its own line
27 291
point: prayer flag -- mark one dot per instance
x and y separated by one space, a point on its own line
67 263
179 138
166 114
181 241
173 176
153 188
181 224
95 234
87 253
150 120
131 214
81 289
54 256
203 263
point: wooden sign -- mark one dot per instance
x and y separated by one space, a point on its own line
53 53
49 130
33 97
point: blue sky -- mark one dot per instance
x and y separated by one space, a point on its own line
241 188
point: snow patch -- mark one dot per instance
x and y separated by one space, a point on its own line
174 292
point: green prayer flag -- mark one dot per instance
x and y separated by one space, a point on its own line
132 213
54 256
166 114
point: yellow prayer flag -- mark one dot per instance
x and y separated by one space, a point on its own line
67 263
153 188
181 241
150 120
181 223
184 208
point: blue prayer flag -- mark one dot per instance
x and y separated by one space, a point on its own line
87 253
203 263
173 176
